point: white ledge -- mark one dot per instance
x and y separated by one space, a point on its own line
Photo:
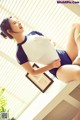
42 100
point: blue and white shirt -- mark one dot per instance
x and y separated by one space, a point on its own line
36 48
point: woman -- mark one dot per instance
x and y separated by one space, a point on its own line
35 47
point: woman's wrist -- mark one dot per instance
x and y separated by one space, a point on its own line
51 66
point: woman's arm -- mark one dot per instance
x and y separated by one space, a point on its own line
27 66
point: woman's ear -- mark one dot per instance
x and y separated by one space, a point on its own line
9 32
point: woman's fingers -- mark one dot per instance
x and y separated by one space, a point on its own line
56 63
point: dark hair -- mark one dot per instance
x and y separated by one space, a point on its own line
5 25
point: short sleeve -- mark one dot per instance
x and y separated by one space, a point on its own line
35 33
21 56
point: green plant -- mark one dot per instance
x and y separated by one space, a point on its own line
3 103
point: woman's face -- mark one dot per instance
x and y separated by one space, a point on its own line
16 26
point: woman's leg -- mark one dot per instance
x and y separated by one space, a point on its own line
71 48
77 40
68 73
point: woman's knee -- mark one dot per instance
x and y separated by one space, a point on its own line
76 25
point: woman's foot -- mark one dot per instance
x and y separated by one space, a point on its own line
76 61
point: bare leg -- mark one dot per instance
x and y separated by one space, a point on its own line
68 73
77 40
71 48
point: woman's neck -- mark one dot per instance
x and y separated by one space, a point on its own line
19 38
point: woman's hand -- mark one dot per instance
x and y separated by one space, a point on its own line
56 63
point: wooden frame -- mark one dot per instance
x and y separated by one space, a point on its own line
42 81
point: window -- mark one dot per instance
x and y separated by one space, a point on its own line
53 20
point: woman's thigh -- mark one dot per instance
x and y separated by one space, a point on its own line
71 47
68 73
